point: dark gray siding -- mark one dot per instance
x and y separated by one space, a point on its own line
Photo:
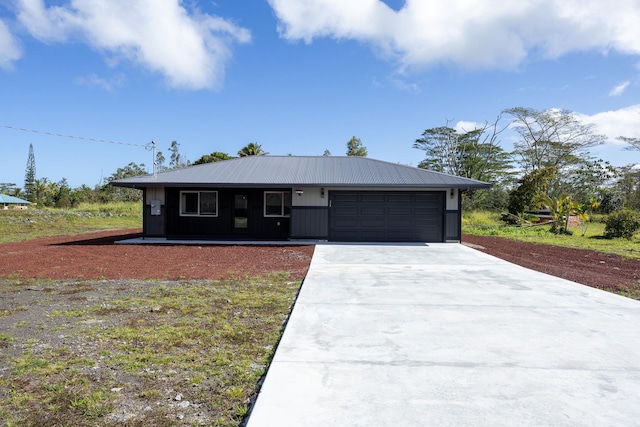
222 226
309 222
452 225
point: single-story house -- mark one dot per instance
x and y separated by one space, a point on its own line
11 202
342 199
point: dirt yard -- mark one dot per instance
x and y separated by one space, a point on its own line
95 256
58 294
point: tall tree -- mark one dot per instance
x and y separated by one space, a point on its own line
160 161
474 154
216 156
355 148
551 138
252 149
177 159
111 193
30 176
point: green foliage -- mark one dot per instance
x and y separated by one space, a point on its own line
532 186
473 154
623 224
610 201
355 148
210 341
551 138
560 209
110 193
252 149
216 156
30 175
16 225
485 223
177 160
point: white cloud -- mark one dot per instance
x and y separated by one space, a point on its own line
622 122
478 34
619 90
466 126
189 48
9 47
108 84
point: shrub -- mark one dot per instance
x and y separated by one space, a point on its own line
623 223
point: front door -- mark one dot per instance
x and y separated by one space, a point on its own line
241 214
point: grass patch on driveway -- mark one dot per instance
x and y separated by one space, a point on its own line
126 352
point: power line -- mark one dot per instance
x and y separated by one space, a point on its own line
106 141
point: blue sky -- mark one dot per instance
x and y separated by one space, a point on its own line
299 76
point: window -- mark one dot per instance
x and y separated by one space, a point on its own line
199 203
277 203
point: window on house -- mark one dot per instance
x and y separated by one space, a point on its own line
199 203
277 203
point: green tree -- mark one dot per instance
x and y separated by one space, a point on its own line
627 186
551 138
252 149
8 188
474 154
30 176
355 148
160 159
110 193
63 196
177 159
526 196
40 188
216 156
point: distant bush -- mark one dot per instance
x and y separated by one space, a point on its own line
623 223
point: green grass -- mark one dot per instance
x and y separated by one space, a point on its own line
17 225
489 224
209 341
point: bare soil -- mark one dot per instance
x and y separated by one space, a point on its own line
69 274
95 256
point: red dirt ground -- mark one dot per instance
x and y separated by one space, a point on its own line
95 256
596 269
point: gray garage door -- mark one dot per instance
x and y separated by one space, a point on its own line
361 216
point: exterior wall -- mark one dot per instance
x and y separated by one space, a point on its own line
222 225
309 217
154 217
310 222
453 216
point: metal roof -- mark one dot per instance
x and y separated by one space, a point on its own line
12 200
287 171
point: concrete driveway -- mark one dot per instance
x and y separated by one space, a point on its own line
444 335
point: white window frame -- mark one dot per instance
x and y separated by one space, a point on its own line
198 213
282 204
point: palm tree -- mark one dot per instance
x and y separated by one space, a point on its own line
252 149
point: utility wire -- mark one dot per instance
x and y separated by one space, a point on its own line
71 136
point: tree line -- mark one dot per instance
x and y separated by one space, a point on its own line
44 192
550 162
